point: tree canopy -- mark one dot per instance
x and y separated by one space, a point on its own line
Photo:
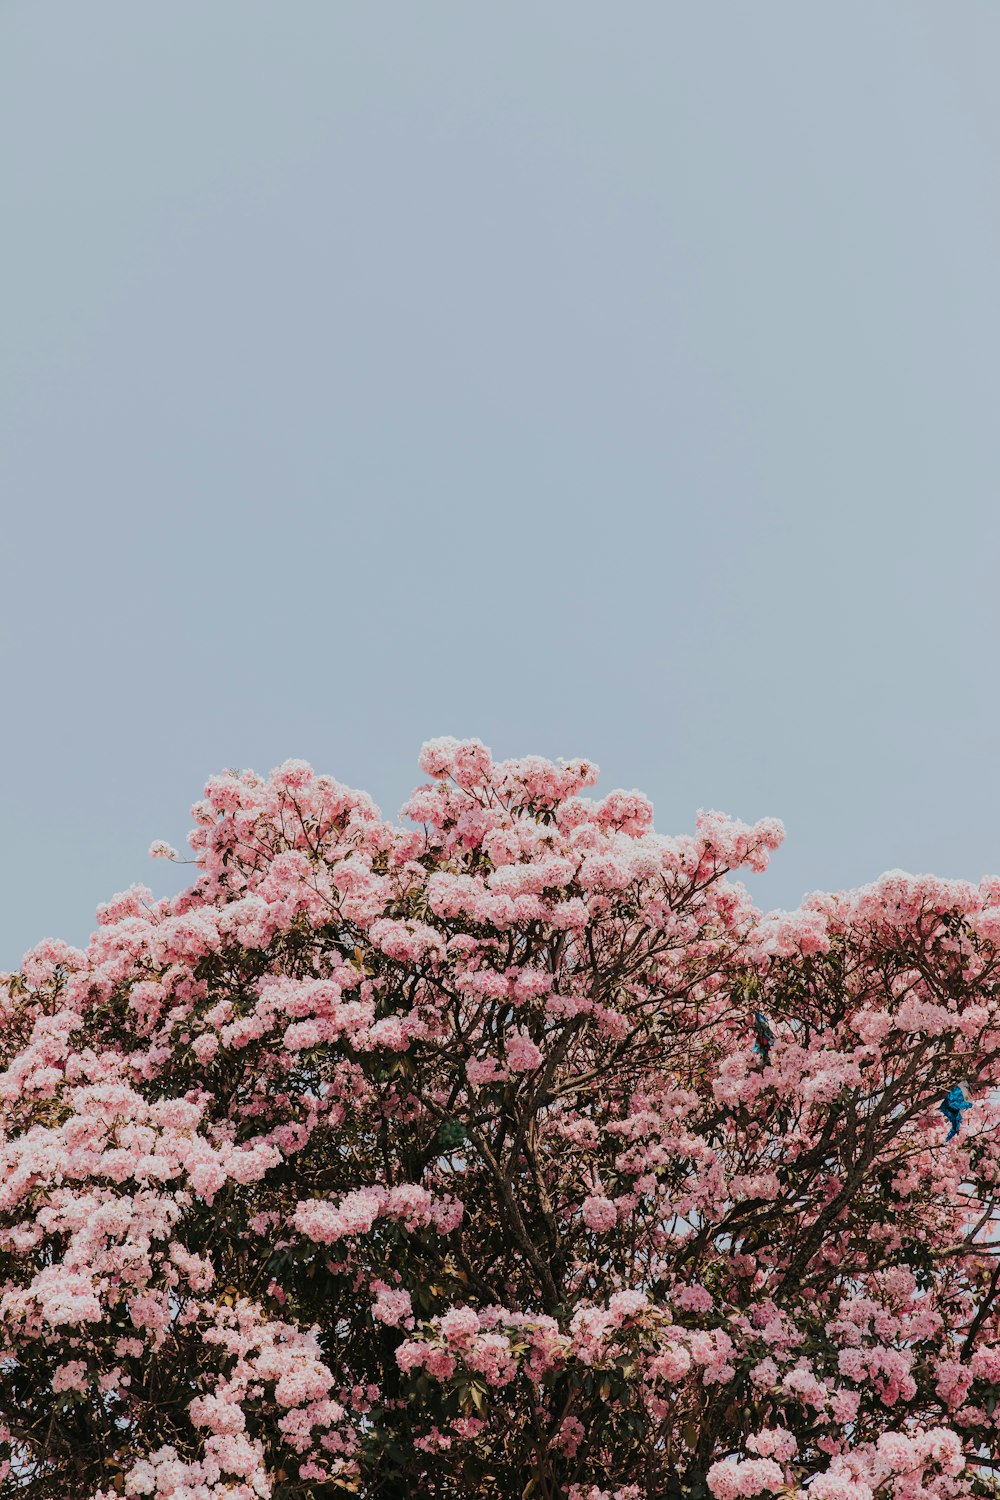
507 1152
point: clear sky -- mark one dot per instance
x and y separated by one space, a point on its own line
616 380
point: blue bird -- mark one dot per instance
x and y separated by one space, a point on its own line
765 1036
952 1107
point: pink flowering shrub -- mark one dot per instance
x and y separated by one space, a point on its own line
439 1160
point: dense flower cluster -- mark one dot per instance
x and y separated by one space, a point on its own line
506 1152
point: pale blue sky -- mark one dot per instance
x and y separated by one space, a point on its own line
616 380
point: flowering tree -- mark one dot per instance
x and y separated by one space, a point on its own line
508 1153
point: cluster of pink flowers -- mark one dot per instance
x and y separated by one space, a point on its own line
414 1207
752 1476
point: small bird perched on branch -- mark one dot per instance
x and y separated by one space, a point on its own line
765 1036
953 1104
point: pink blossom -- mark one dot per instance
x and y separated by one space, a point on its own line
729 1479
393 1307
71 1376
599 1213
522 1054
158 849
